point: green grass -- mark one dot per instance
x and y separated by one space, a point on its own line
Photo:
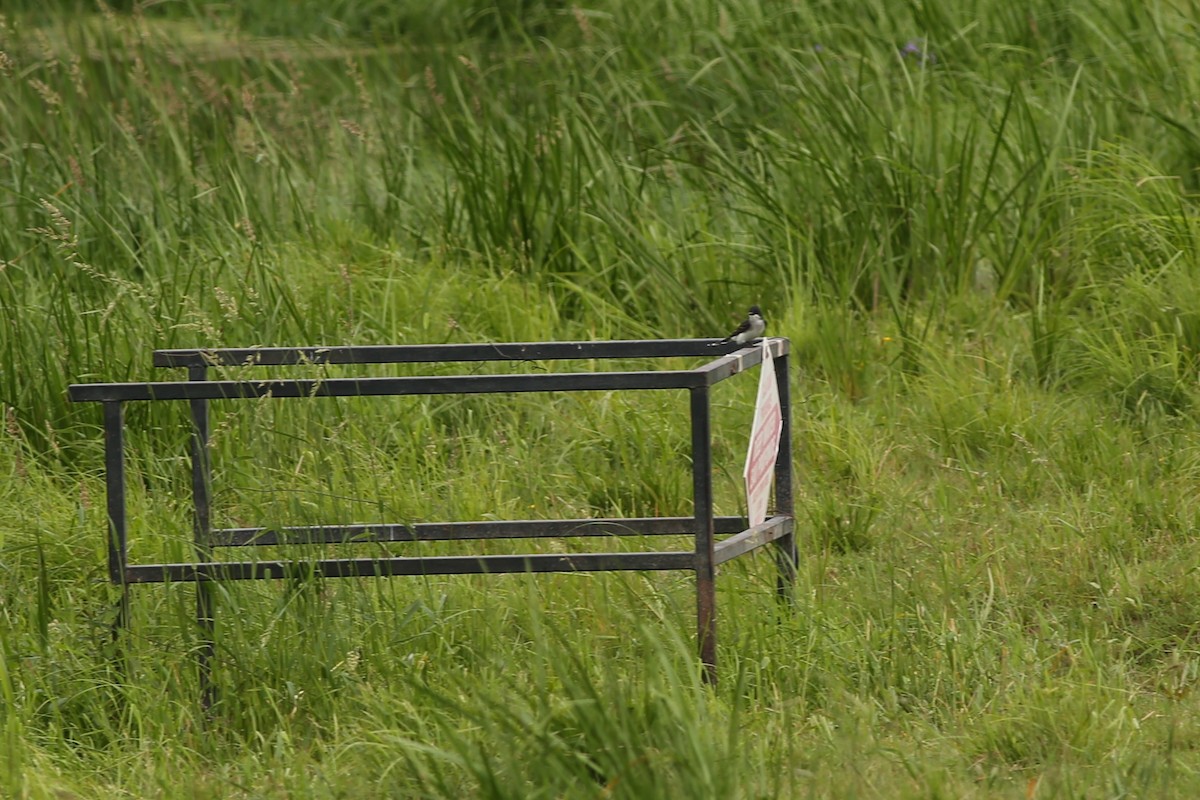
978 224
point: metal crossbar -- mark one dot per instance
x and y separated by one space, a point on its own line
460 531
443 353
703 558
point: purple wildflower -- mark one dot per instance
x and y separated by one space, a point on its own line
915 48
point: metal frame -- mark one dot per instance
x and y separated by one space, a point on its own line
706 555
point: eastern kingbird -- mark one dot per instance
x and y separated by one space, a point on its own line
749 330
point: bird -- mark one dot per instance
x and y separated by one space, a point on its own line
751 328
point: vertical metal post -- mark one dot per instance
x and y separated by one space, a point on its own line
706 604
786 554
114 488
202 529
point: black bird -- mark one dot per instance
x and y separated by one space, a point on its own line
750 329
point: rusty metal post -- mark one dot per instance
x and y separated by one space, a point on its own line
202 530
706 603
114 488
786 552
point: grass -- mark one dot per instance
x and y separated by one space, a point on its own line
977 224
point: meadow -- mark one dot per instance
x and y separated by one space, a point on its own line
977 222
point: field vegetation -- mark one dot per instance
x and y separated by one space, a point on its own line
977 222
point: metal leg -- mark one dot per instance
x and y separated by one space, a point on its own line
114 487
202 528
786 554
706 603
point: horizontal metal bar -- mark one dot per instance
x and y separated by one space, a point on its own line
741 360
747 540
380 567
416 353
363 387
459 531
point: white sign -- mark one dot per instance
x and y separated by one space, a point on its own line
764 441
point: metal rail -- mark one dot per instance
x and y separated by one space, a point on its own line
460 531
427 353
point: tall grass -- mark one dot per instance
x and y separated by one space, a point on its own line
976 222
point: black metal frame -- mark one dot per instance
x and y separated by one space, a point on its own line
198 390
